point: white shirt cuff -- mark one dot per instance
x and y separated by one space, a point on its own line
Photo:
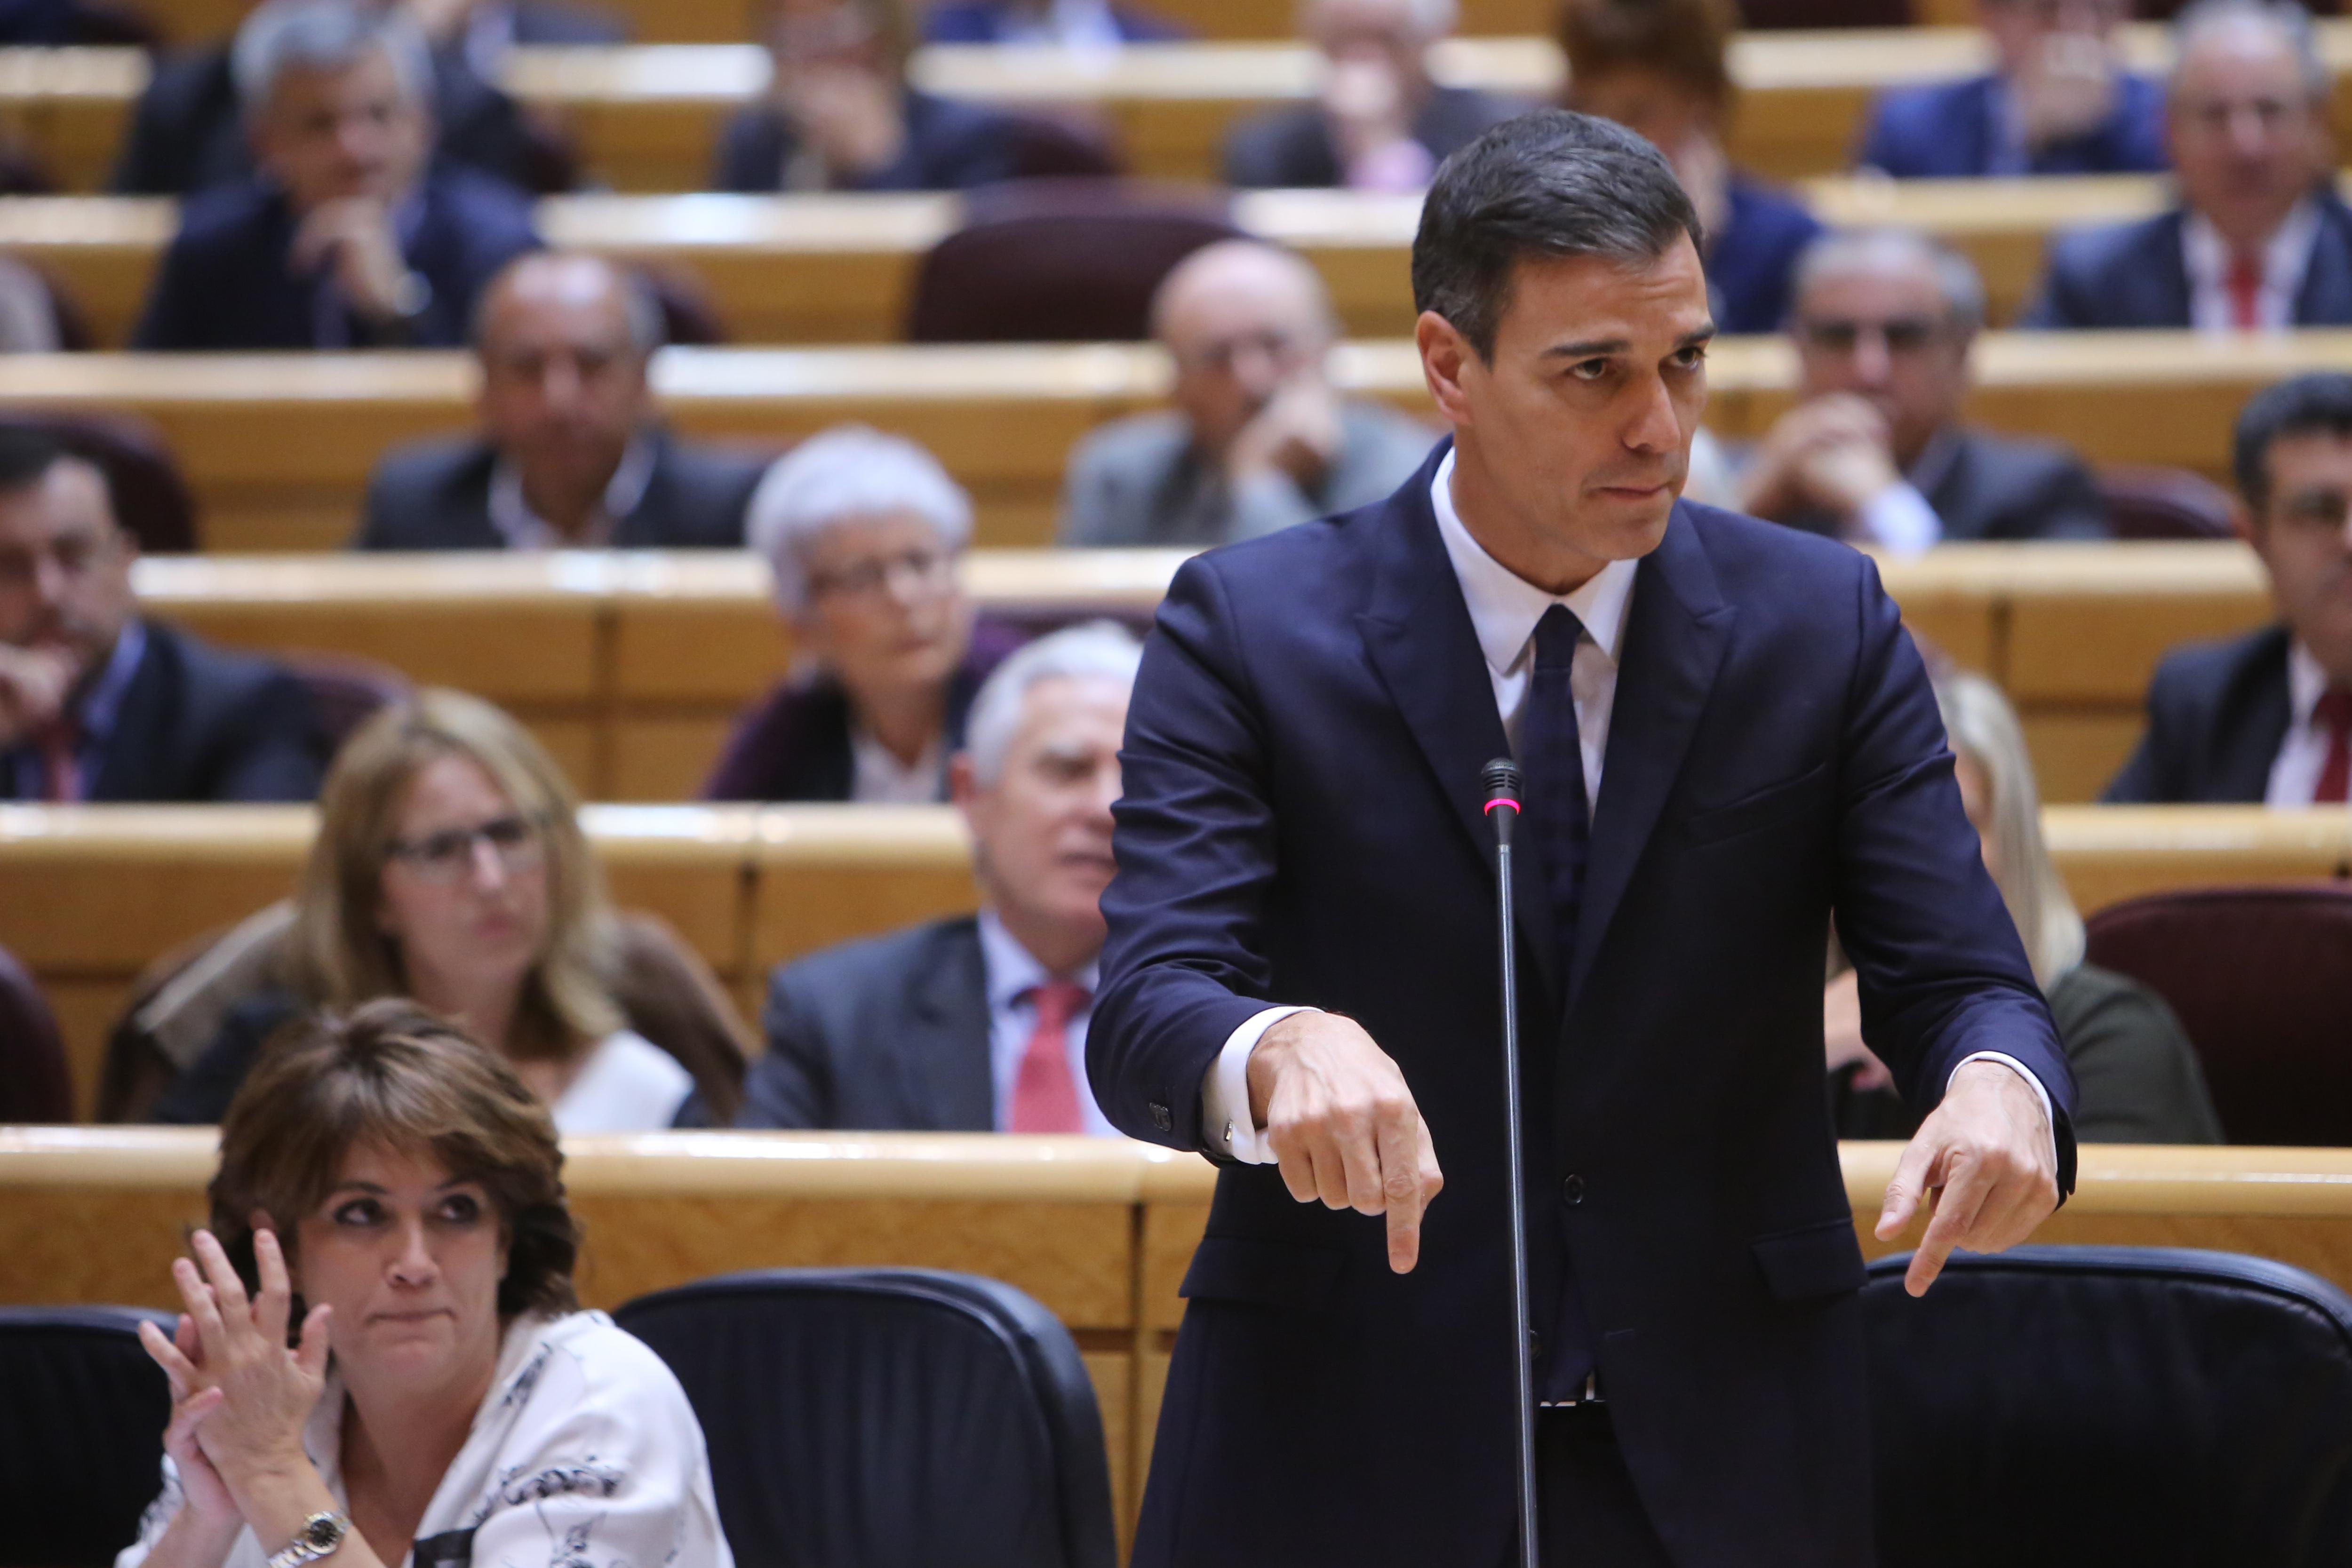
1224 1092
1900 518
2011 1062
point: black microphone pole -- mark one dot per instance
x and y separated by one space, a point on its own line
1501 778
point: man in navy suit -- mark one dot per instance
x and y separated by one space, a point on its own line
2060 103
1301 962
2267 716
2259 239
347 239
1074 23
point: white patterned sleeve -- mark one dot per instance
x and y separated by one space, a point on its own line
156 1521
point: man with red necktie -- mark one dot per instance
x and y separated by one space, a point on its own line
2267 716
978 1024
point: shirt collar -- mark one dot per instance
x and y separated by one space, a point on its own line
103 705
2306 682
1504 606
523 528
1012 972
2284 256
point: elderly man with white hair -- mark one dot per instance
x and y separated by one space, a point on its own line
1379 121
864 534
978 1024
348 237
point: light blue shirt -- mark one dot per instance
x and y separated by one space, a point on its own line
1014 978
95 719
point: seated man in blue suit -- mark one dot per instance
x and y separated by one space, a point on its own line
1885 325
2258 240
97 704
977 1025
1662 69
2059 102
1073 23
347 239
572 453
2267 716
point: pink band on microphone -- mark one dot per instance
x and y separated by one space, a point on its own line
1500 801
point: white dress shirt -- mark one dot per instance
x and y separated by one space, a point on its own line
2295 773
2284 261
523 528
628 1084
1504 609
1012 977
878 779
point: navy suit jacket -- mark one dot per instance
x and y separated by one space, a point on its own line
1291 148
1302 824
2133 275
983 22
2217 714
888 1034
199 725
436 495
1752 259
1949 131
950 146
227 282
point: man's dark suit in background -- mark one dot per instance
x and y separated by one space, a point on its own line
227 282
198 723
436 495
1302 824
2217 714
1955 130
2135 274
1999 488
1291 149
949 146
889 1032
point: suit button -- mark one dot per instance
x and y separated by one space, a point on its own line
1571 1191
1163 1119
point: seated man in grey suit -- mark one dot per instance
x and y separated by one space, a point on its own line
2258 239
1257 440
978 1024
572 454
2266 717
1885 322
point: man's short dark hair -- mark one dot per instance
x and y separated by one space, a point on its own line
2306 405
1551 182
26 456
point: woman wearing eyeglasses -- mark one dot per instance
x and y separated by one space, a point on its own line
864 536
450 869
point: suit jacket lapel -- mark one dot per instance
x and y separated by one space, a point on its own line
1417 631
2259 705
2325 296
944 1051
1676 631
130 765
2167 272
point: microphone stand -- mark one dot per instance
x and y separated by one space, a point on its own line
1501 780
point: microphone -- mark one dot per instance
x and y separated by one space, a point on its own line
1500 779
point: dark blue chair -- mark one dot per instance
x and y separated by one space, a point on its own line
82 1413
2055 1407
888 1418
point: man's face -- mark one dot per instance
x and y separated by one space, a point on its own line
1042 830
1880 328
2247 140
563 384
1239 330
1380 32
1579 426
65 567
2022 28
2304 535
328 133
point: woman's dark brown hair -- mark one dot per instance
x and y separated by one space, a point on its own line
389 1073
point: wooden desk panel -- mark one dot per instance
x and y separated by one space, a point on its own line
828 874
2109 854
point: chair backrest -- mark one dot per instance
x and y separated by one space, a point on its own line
2147 501
1049 146
152 501
34 1083
345 690
888 1418
2257 977
1043 261
2062 1405
83 1412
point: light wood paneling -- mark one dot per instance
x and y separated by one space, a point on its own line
856 871
2108 853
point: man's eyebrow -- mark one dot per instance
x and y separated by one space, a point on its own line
1696 336
1591 349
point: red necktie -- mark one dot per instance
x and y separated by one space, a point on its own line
2333 713
60 768
2245 286
1045 1097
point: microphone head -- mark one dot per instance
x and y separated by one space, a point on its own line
1501 778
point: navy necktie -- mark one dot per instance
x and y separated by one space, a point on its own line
1551 757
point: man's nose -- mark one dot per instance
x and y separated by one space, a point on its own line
2249 131
1106 789
559 382
1656 426
48 582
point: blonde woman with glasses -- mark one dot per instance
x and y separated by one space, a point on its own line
450 869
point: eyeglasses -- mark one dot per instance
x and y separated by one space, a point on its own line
1901 334
927 571
446 856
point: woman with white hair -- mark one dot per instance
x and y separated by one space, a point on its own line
2136 1073
864 535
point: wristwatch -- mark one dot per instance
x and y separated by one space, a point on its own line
318 1536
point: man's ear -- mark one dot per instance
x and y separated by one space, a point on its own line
2241 522
963 783
1446 359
